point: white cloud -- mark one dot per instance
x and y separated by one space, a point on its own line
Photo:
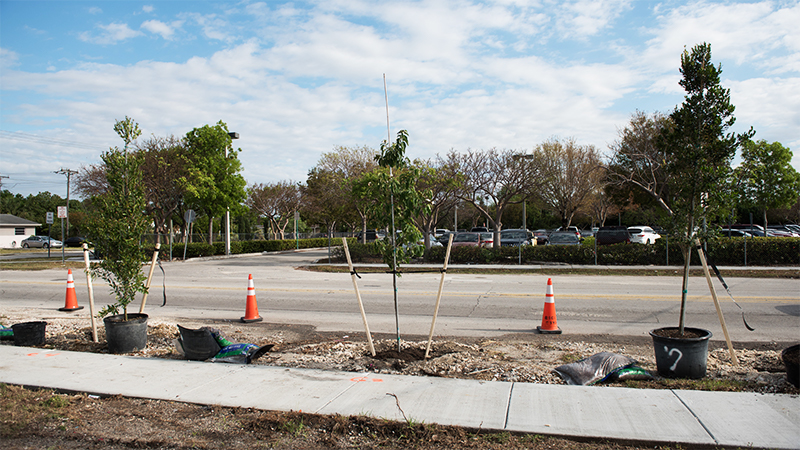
111 34
214 26
148 8
744 33
8 58
95 10
166 31
586 18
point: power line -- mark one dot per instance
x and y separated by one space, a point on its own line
26 137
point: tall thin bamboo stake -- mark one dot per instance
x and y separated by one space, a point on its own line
358 296
702 256
149 277
394 231
91 291
439 295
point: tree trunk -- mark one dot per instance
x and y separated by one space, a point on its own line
363 228
765 222
687 255
210 230
686 248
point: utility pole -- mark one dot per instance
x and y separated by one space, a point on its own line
68 173
1 188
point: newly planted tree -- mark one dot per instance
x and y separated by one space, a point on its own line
698 151
118 221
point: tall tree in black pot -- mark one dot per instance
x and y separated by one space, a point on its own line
117 223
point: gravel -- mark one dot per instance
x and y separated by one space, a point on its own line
519 357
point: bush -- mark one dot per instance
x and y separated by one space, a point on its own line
721 251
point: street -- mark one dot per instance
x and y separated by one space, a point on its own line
471 305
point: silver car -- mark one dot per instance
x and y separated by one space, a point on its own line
40 242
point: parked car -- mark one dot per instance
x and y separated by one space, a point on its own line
541 236
467 240
434 242
40 242
755 232
612 235
753 229
727 232
564 238
479 230
793 227
515 237
372 235
76 241
487 239
783 229
439 232
643 235
588 233
444 237
572 228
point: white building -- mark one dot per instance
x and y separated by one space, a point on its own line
14 229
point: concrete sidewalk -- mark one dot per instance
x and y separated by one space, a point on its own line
657 416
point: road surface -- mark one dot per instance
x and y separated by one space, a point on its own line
472 305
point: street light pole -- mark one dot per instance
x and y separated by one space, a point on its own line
233 136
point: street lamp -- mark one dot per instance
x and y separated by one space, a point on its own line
233 135
524 203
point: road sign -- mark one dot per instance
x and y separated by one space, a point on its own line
62 212
189 216
50 218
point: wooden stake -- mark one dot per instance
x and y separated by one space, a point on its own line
91 291
358 296
702 256
150 277
439 295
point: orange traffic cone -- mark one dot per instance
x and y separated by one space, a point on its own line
549 322
251 309
71 302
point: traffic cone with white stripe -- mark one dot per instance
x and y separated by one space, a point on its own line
251 309
71 302
549 322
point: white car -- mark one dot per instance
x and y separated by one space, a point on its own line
642 235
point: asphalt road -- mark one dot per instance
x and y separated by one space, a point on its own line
471 305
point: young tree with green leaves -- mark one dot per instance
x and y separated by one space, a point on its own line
396 201
698 150
766 177
118 221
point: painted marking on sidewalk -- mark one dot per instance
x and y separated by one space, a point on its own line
46 355
363 379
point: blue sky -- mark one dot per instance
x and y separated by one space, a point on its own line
297 79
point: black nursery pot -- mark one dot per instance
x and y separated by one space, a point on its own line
682 357
125 336
27 334
790 357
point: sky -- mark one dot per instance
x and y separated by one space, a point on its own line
298 79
